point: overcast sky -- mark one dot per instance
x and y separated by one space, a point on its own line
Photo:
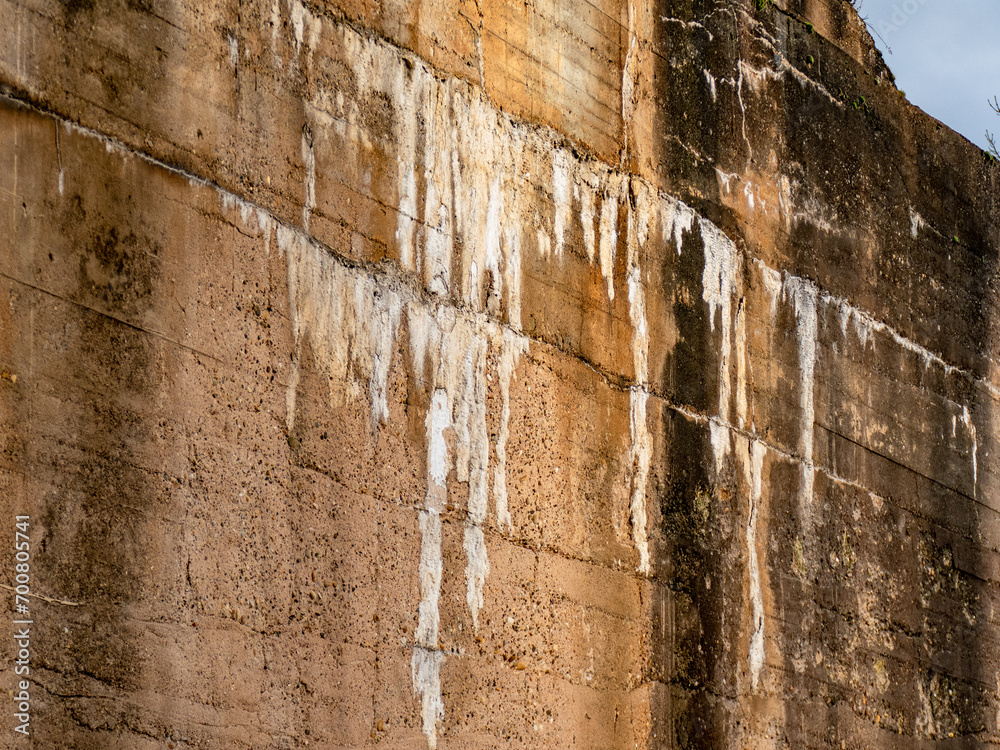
945 55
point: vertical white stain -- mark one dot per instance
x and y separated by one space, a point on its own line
720 280
681 220
718 434
350 321
427 656
710 80
741 364
630 77
804 296
452 351
641 455
405 94
916 223
309 162
234 49
438 235
512 347
641 442
974 449
608 246
584 192
562 196
491 241
756 652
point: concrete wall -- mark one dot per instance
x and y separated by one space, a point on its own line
489 374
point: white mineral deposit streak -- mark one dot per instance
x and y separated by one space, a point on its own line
471 404
462 166
974 449
608 245
386 313
804 296
438 234
720 279
454 348
427 657
642 444
630 76
756 656
349 319
719 437
309 161
404 93
584 192
562 196
916 223
491 244
512 347
741 365
642 451
710 80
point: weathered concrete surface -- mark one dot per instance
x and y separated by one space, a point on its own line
479 374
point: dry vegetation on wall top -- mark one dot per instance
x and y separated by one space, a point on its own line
493 375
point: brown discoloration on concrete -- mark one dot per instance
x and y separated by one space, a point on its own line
491 375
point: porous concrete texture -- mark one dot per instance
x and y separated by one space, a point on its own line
493 374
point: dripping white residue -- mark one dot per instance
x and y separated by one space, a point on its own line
609 236
450 351
741 364
562 196
512 348
642 451
450 354
309 161
630 76
681 219
757 451
719 437
967 421
710 79
726 180
544 244
463 180
349 320
438 234
804 295
757 77
303 19
585 194
427 656
461 177
266 225
438 420
865 325
642 218
785 205
491 238
772 285
916 223
642 445
688 24
512 278
719 287
234 49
